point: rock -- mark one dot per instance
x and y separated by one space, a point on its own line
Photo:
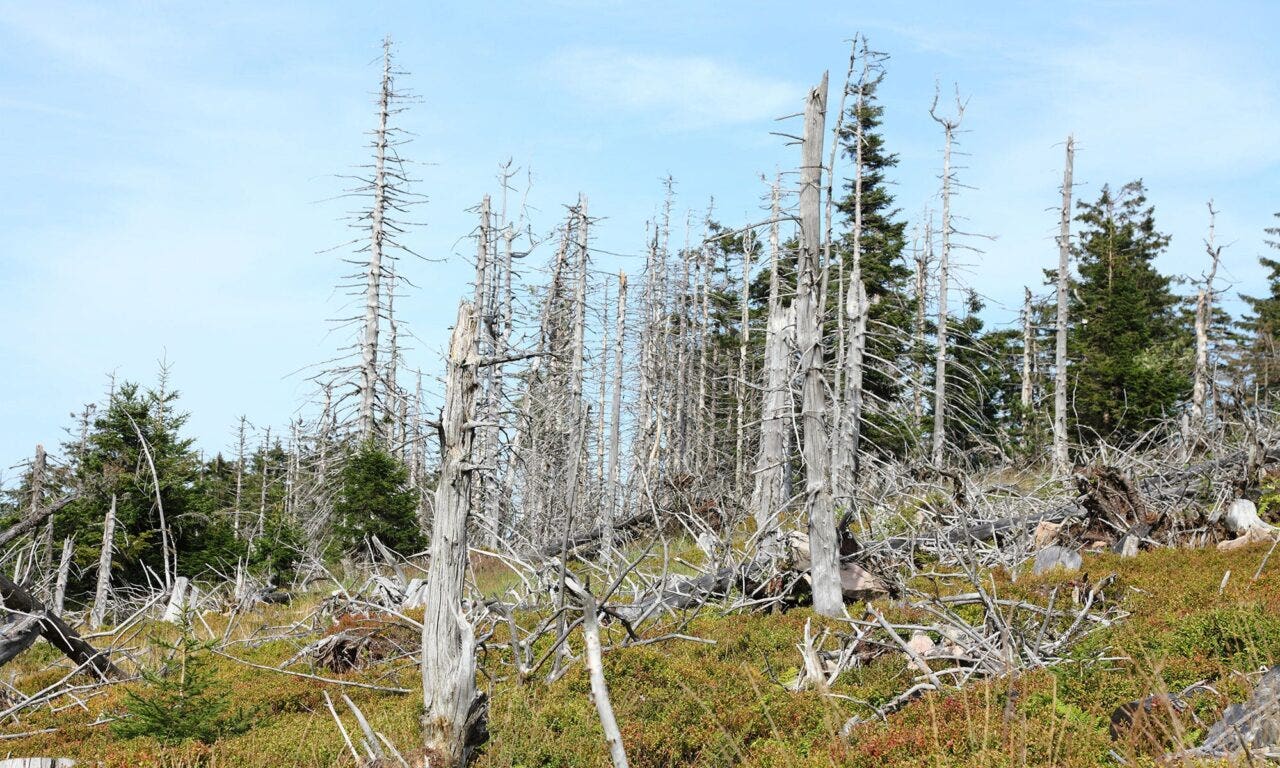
1045 535
859 584
1128 546
37 762
920 643
1056 557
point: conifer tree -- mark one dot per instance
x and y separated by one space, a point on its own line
1131 351
1260 330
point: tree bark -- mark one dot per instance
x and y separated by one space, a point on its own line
56 631
452 704
373 273
1061 456
599 687
827 599
99 611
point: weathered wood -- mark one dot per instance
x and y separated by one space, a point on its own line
34 516
56 631
453 716
599 687
949 126
1061 456
64 570
99 611
809 311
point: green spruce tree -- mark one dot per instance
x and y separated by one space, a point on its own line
1130 351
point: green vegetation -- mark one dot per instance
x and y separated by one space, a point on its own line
683 703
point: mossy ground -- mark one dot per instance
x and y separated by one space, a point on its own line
684 703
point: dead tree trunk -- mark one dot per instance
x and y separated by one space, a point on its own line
1061 457
99 611
770 491
454 710
949 126
56 631
1028 357
825 572
37 501
64 570
615 420
373 273
599 687
1204 317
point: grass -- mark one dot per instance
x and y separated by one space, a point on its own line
682 703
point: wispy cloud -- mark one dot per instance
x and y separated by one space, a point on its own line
679 92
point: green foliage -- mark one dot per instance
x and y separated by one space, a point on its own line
1130 353
374 499
183 701
1260 329
113 462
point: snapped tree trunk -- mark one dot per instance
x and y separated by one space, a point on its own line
99 612
453 716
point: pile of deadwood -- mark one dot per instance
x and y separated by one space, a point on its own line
958 530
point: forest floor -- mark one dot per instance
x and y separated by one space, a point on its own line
686 703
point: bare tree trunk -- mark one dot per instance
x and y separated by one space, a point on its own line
99 612
922 259
770 491
599 687
1204 316
1028 353
825 568
37 500
453 707
949 126
1061 456
64 570
373 275
615 420
236 508
740 386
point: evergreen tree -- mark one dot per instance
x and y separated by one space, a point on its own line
374 499
114 463
884 272
1260 330
182 701
1130 353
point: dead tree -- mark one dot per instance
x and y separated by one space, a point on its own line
612 508
1028 357
98 613
1061 457
824 547
454 711
771 488
1204 317
949 125
55 631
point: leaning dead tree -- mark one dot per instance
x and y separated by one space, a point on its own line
949 126
1061 457
809 302
453 710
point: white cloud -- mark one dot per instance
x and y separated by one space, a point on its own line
681 92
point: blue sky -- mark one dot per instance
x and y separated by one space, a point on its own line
166 164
